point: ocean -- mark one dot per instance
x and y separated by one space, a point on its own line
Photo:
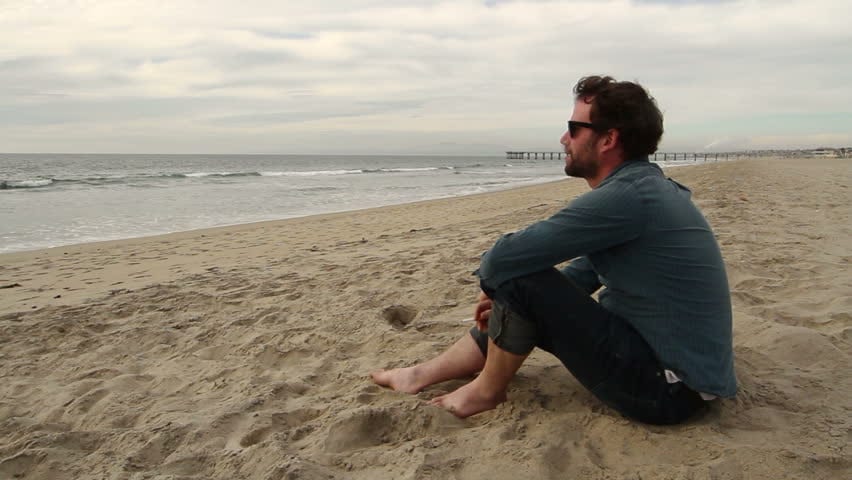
49 200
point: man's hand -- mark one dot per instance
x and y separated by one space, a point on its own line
483 311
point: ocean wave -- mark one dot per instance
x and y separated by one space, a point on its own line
10 184
317 189
313 173
309 173
217 174
407 169
133 179
118 180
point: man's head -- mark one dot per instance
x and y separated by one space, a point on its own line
612 122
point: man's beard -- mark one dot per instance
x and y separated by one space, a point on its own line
584 165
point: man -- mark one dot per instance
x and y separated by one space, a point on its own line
658 343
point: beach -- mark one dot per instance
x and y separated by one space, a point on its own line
245 351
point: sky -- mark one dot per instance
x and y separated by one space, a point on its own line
413 77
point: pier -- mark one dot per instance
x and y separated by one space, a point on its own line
659 156
534 155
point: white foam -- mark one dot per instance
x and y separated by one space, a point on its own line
30 183
310 173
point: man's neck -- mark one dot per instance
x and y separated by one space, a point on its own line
604 170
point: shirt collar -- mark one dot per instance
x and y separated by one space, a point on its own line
629 165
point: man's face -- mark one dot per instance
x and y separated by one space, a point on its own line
581 154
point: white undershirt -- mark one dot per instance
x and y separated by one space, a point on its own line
672 378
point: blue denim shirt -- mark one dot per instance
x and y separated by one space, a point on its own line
639 236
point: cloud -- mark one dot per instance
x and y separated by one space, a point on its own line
170 76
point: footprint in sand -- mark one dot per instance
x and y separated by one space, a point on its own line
370 427
399 316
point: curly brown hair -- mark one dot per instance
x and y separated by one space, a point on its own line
626 107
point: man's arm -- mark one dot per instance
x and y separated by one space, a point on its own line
594 221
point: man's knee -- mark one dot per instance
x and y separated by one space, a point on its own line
544 290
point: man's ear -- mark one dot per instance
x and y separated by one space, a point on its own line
609 140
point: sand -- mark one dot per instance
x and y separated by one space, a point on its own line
244 352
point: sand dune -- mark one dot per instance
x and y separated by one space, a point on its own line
243 352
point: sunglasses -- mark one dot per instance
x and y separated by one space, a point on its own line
573 126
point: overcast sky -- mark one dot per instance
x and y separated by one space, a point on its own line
394 76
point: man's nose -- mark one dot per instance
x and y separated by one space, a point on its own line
566 138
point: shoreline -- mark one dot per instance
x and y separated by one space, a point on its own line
124 251
283 219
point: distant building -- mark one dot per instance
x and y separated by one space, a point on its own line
826 153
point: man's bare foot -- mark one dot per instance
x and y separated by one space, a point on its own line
468 400
405 380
